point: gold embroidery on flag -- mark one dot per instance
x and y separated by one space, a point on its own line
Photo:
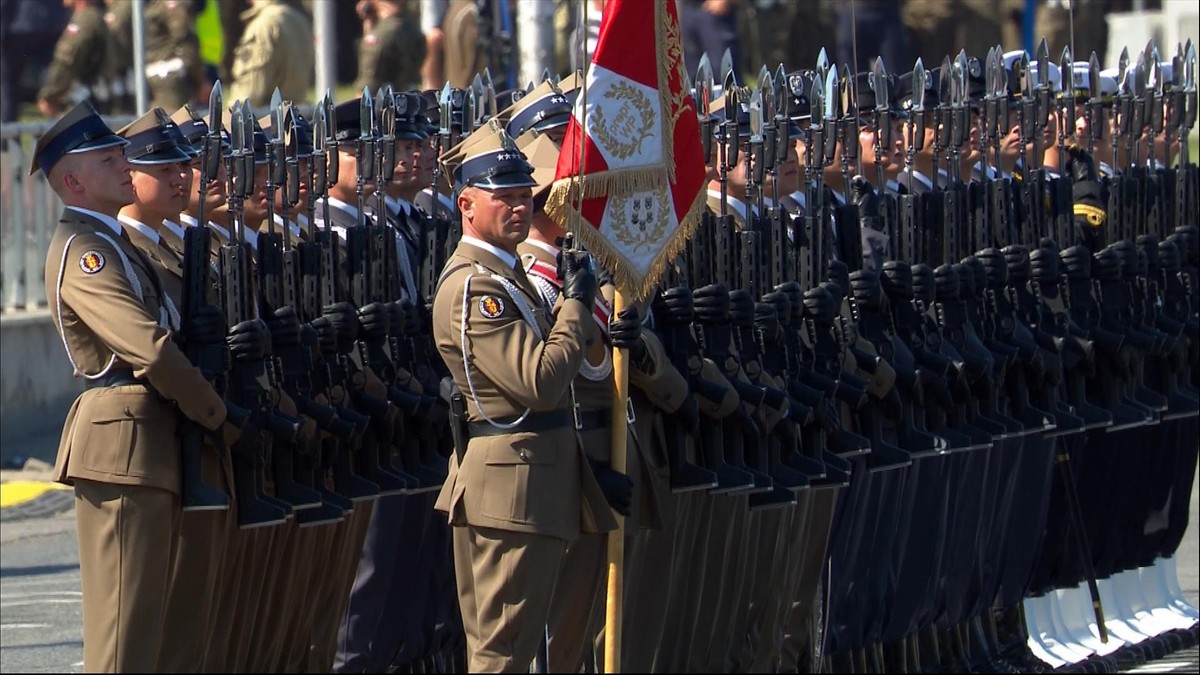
639 218
630 127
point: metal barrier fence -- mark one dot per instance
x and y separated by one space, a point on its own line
29 212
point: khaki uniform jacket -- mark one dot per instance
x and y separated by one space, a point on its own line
464 58
276 50
660 378
392 53
533 482
123 434
79 58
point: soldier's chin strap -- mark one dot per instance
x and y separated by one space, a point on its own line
526 314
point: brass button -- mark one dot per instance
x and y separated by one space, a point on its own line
128 412
523 454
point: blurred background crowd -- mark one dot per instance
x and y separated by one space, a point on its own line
57 52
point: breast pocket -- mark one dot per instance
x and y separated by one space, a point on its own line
519 478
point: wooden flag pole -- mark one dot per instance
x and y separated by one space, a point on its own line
616 538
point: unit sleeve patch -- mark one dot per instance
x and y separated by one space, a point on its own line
490 306
91 262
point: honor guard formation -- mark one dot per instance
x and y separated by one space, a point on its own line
919 395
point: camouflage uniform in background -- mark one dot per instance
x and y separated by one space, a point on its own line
78 69
1091 28
174 70
464 58
276 50
118 64
392 52
937 28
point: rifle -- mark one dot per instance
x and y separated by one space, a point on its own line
195 494
910 207
337 340
249 385
303 384
277 297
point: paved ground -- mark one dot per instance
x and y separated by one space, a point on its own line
40 611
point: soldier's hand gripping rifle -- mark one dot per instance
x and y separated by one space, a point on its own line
209 357
735 257
335 323
756 446
313 384
365 260
398 364
277 300
250 383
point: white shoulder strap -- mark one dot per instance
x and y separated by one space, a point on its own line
168 314
526 313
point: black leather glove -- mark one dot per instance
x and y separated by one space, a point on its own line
579 281
326 334
741 308
1088 197
711 303
249 340
948 283
924 285
866 289
616 486
766 317
373 320
625 330
819 303
284 326
674 305
839 274
862 194
205 326
345 323
398 317
1080 165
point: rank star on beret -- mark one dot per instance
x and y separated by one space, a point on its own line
488 159
543 108
80 130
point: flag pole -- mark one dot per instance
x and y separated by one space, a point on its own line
616 538
614 601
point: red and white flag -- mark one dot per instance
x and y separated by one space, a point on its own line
634 129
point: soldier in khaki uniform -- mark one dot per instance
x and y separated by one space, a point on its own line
162 180
275 50
578 606
392 48
174 70
119 446
518 489
464 58
77 71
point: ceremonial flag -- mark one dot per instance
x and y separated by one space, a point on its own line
634 129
